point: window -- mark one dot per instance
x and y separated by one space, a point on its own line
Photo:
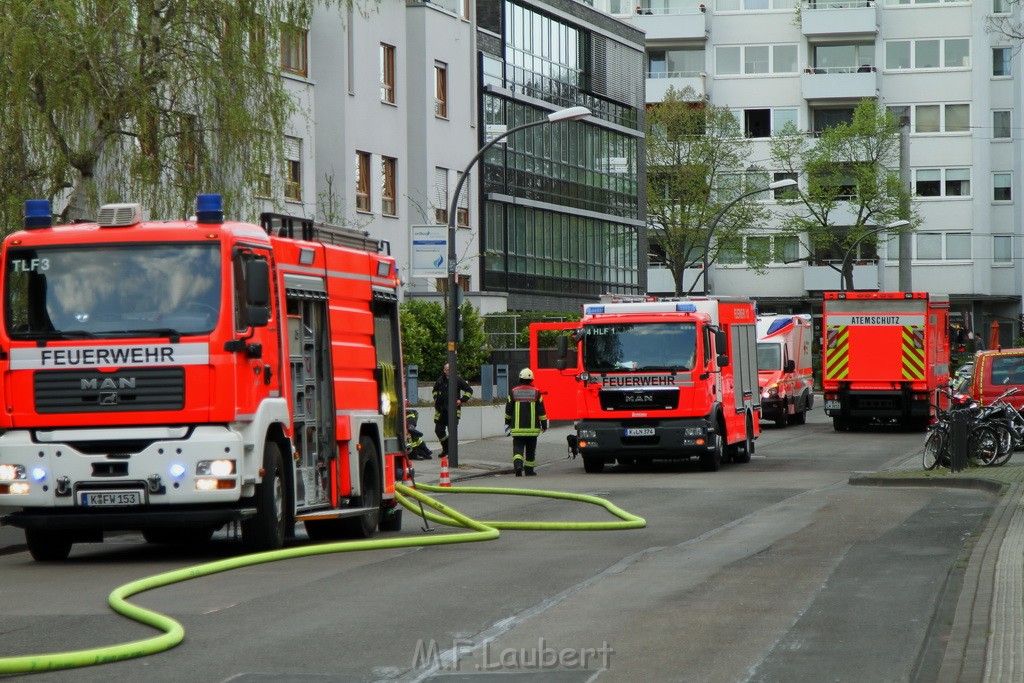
927 118
933 53
1001 124
1001 57
958 182
730 252
440 90
787 247
293 169
462 215
929 246
363 181
826 118
958 118
388 194
756 123
958 246
845 58
674 63
759 249
1001 6
755 59
780 192
387 73
441 195
946 118
293 50
1002 187
1002 249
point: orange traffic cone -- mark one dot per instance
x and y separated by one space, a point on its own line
446 482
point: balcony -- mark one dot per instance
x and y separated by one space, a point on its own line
658 84
838 17
839 83
820 278
678 21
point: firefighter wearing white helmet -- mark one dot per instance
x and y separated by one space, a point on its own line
525 420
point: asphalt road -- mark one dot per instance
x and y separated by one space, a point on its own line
776 570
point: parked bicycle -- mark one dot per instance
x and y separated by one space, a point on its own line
982 439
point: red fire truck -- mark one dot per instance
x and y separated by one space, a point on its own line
784 372
884 356
172 377
656 379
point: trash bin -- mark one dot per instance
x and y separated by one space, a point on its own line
486 382
412 383
501 379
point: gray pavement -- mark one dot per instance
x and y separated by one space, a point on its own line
986 642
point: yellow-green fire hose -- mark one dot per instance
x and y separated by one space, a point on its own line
174 633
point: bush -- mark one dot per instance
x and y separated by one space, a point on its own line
425 340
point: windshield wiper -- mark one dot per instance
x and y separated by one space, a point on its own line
145 332
53 334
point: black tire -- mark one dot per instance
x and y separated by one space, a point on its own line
48 546
933 448
266 531
711 461
983 445
802 406
365 526
178 535
840 424
783 419
593 465
741 452
1006 443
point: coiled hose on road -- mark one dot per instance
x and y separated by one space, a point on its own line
174 633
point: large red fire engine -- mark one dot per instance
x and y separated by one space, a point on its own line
884 356
172 377
655 378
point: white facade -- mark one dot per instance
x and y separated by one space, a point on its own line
937 59
351 114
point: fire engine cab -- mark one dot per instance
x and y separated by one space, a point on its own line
175 376
649 378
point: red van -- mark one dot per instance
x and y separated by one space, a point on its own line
996 371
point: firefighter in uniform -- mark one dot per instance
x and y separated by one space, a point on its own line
525 420
440 394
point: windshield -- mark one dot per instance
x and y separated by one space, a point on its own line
644 346
123 290
769 356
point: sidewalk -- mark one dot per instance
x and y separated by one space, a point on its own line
986 640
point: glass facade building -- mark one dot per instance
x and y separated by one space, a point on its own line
563 204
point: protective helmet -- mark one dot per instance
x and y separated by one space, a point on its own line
526 373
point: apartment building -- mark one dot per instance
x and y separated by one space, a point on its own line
934 64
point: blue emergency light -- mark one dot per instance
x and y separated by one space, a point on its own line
209 208
593 310
37 214
686 308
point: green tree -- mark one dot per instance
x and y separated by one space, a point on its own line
695 154
152 100
852 185
425 339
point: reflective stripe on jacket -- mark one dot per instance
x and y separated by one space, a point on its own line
524 411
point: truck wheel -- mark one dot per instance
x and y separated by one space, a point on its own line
840 424
266 531
48 546
711 461
392 521
741 452
783 419
365 525
593 465
802 406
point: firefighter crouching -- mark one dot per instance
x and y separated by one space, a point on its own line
525 420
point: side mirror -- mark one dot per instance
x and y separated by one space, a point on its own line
720 341
723 360
560 364
563 348
789 366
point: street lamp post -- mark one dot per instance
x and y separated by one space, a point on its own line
569 114
777 185
849 252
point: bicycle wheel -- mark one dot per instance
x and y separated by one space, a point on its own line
1007 442
934 446
983 445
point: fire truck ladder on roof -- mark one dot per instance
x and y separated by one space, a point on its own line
298 227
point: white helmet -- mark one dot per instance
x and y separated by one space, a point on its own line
526 373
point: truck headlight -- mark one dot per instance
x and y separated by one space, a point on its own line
586 434
693 431
215 468
12 472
